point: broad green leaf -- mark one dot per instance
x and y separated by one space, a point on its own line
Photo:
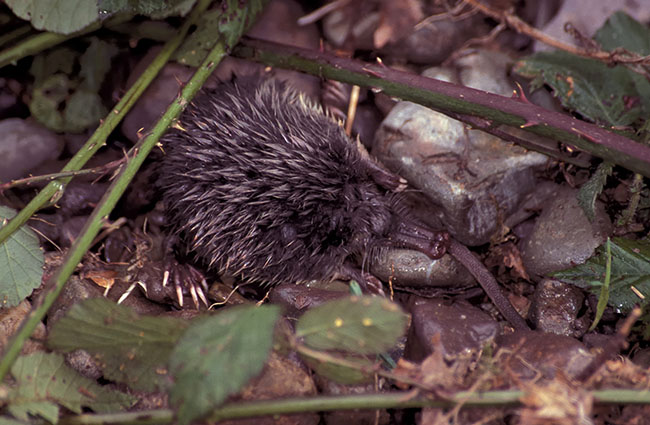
621 30
95 64
156 9
133 349
218 355
4 420
84 109
23 410
614 96
59 60
60 16
603 94
47 99
66 100
630 273
43 380
215 21
361 373
589 191
360 325
21 263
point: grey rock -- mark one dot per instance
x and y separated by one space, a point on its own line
25 145
555 307
475 180
464 329
413 269
562 235
541 355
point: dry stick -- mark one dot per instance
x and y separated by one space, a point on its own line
102 169
613 346
622 56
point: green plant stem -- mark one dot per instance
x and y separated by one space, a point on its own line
44 40
99 215
396 400
54 189
18 32
482 110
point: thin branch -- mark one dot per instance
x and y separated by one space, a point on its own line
617 56
456 100
102 169
395 400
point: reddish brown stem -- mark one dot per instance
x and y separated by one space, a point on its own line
489 284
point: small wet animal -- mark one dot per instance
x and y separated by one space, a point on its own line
260 184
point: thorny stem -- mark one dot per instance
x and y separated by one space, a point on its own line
449 98
102 169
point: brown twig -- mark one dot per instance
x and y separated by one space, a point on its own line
50 177
613 346
611 58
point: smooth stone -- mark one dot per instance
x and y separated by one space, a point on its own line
562 235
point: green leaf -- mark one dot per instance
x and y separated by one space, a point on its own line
21 263
47 99
64 101
231 24
361 373
84 109
589 191
360 325
630 273
218 355
156 9
600 93
621 30
43 380
133 349
95 64
7 421
60 60
60 16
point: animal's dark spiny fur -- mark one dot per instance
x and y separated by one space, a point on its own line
260 184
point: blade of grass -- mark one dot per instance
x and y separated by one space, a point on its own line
603 299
